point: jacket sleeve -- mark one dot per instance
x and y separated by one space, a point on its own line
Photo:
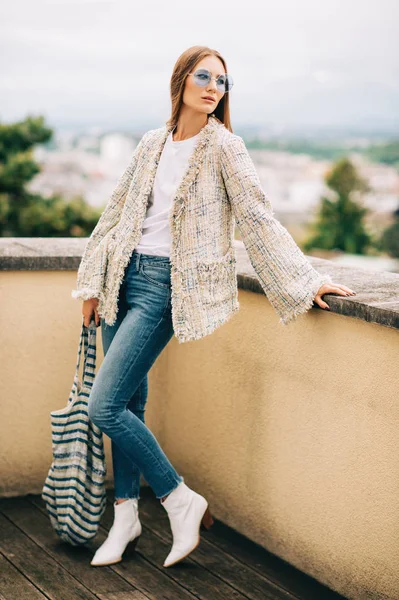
92 265
285 274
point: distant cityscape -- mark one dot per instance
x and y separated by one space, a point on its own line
90 163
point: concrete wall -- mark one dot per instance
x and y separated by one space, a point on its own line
291 433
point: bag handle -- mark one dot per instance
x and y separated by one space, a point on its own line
87 342
89 365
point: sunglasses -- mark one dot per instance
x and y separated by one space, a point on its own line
203 77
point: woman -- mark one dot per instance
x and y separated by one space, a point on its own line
160 262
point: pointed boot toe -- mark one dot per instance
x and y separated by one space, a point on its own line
187 511
125 529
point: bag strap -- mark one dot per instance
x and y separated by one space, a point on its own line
76 381
89 365
87 343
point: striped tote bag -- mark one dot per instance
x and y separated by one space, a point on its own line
74 489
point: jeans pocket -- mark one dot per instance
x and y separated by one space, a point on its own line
157 274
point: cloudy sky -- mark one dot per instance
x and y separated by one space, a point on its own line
108 62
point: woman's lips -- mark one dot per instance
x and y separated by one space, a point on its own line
208 100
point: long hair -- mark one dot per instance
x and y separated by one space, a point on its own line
184 65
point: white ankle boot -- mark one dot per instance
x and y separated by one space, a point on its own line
126 528
187 511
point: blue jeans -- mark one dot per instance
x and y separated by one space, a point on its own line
119 394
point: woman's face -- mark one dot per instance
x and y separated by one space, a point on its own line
193 95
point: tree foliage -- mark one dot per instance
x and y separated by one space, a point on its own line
389 240
339 224
27 214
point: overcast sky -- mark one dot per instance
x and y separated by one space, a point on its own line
314 62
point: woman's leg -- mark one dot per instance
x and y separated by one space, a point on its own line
141 336
126 474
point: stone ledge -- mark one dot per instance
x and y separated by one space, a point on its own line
376 301
377 293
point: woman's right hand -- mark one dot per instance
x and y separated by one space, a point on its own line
88 308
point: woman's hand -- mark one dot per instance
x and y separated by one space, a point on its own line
332 288
88 308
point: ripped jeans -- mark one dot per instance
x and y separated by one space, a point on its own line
119 394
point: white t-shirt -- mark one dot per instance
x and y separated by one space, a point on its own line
155 238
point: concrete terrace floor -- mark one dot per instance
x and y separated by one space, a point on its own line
36 565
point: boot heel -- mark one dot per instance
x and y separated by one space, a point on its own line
133 544
207 520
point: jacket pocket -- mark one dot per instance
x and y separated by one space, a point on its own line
218 279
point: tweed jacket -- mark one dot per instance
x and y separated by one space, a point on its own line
220 186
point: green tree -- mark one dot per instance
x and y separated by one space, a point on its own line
340 221
389 241
27 214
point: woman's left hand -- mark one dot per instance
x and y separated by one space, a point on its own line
332 288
